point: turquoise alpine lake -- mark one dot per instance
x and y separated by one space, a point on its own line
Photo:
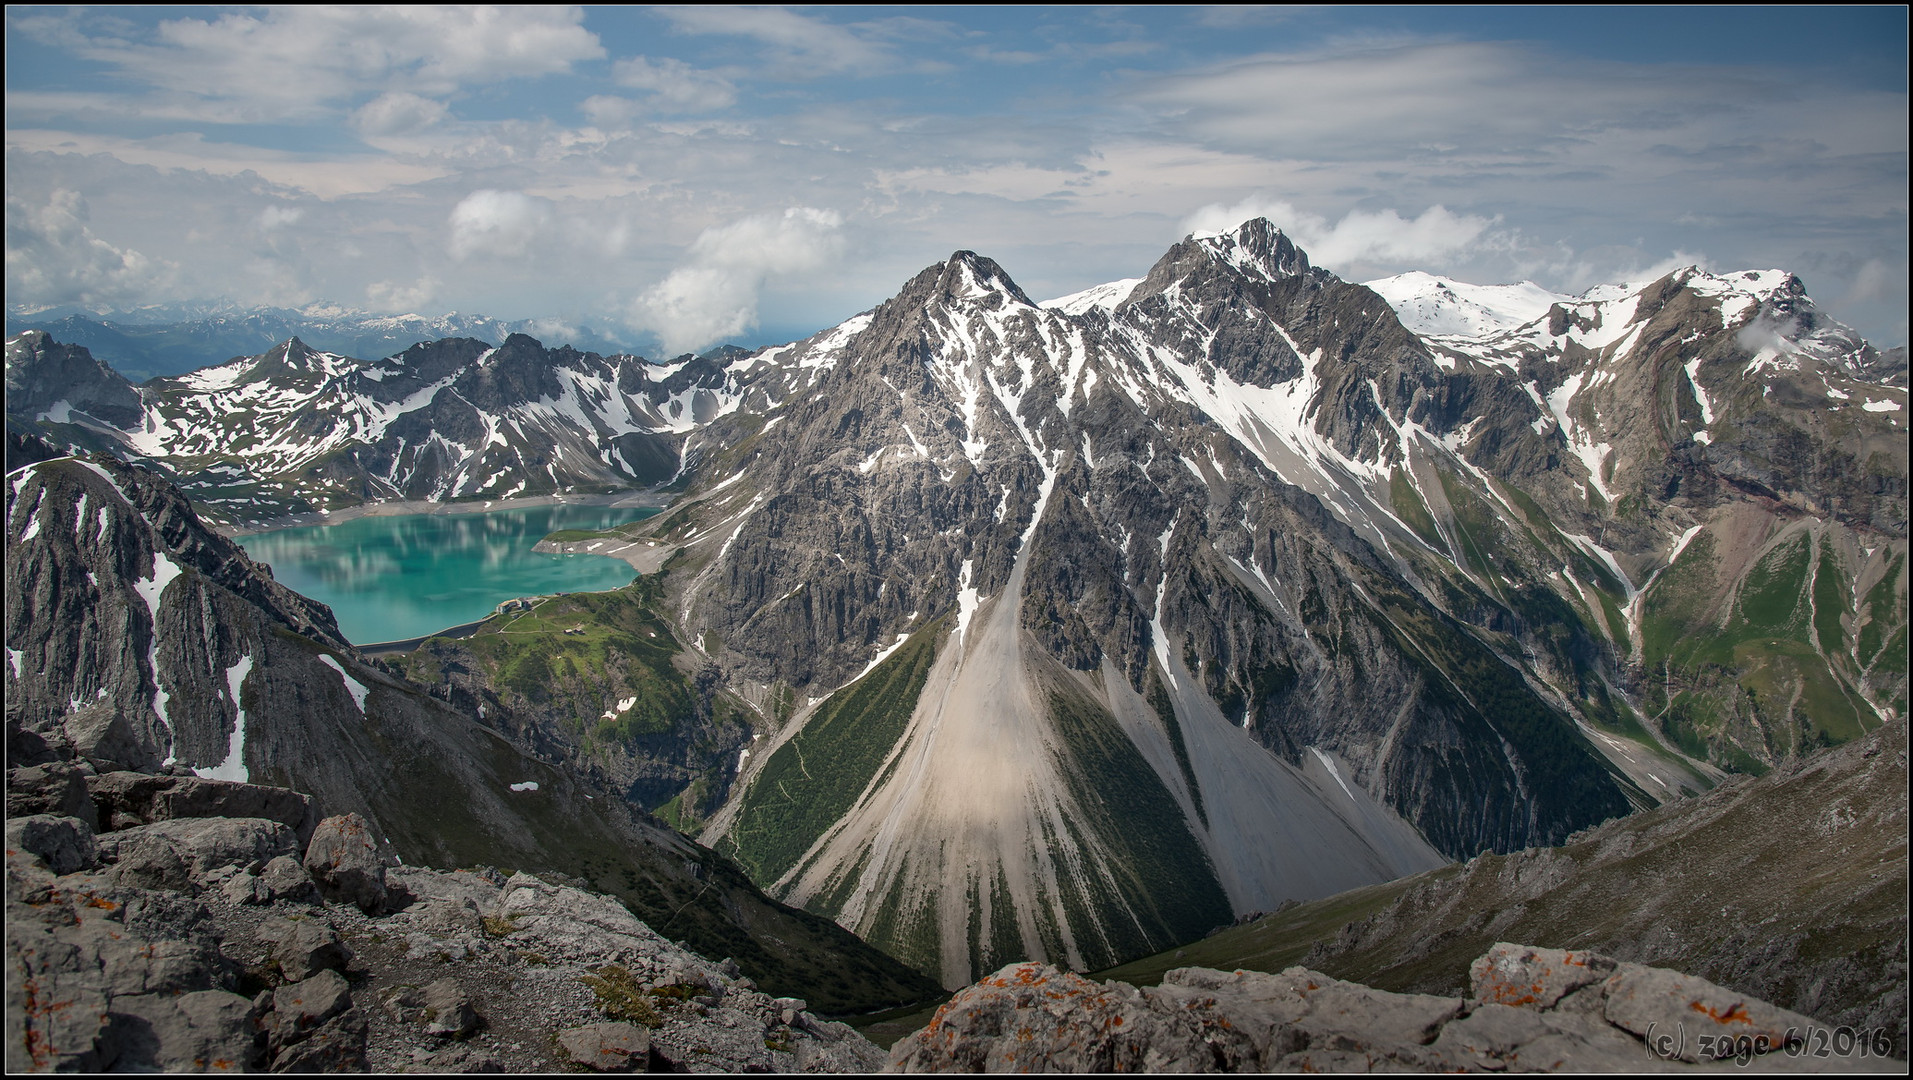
397 577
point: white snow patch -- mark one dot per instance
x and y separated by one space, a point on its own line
1329 764
1700 392
1881 406
528 785
1681 544
353 686
1105 296
1593 455
234 767
724 483
966 602
152 587
882 655
1428 304
1587 544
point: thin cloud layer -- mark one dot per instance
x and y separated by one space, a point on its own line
675 85
293 61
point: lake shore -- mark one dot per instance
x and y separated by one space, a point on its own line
645 556
647 498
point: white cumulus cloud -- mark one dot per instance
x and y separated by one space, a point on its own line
715 293
498 223
54 258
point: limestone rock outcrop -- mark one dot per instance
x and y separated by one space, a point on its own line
1530 1010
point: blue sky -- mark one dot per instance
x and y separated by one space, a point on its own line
688 176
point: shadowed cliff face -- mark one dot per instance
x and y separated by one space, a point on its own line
141 638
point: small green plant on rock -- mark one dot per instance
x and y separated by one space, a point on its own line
620 997
677 992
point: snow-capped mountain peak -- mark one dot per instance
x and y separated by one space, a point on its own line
1433 305
1105 296
1256 247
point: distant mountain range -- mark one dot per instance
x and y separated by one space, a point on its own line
1071 630
175 339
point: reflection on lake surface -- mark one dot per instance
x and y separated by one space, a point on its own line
390 578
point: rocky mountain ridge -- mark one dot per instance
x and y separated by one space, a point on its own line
1237 498
185 934
1229 540
295 429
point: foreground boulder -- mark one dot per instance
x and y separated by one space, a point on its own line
62 844
1545 1010
612 1047
344 859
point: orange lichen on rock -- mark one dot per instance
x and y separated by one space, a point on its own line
1733 1014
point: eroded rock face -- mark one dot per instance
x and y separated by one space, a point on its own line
187 851
1546 1010
304 946
104 975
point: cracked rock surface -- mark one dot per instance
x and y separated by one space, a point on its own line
1530 1010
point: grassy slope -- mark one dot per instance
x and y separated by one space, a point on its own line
1775 676
816 776
1163 879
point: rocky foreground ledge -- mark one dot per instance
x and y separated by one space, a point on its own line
1531 1010
172 923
